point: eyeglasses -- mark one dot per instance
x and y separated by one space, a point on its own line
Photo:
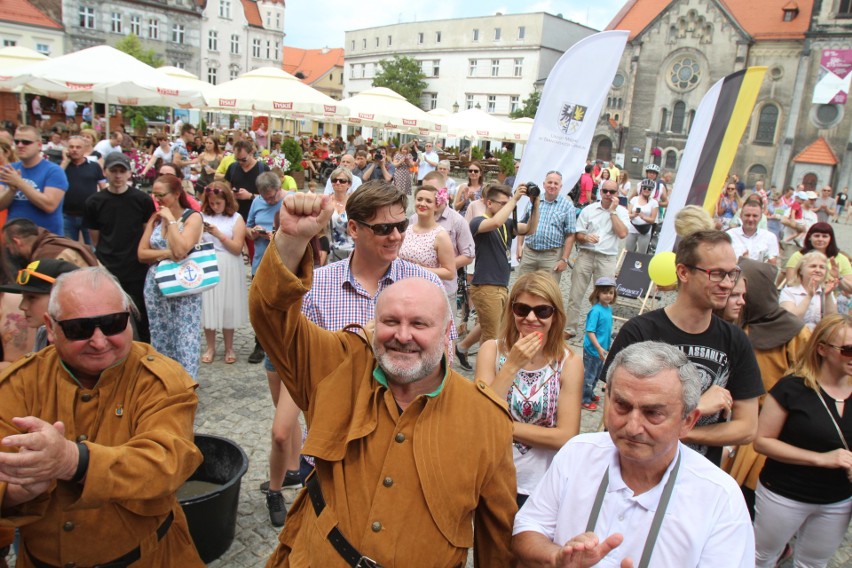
845 350
159 195
473 171
213 190
717 274
25 273
24 142
340 180
79 329
541 312
609 191
384 229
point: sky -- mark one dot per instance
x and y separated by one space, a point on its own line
313 25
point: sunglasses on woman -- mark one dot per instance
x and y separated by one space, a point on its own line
79 329
845 350
541 312
473 171
339 180
384 229
213 190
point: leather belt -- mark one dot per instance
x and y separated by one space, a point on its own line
122 561
346 551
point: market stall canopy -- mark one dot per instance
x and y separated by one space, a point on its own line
106 75
519 129
274 92
383 108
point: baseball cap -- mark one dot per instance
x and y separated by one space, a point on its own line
801 195
38 277
116 159
605 281
813 195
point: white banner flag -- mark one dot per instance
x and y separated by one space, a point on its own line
570 106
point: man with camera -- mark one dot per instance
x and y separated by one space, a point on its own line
599 228
492 236
549 248
379 169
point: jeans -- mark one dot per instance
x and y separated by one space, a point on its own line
591 369
73 226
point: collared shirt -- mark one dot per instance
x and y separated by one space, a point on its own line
761 246
460 236
556 220
336 299
706 522
598 221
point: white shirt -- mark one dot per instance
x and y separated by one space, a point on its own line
761 246
105 148
598 221
796 294
425 167
70 107
706 522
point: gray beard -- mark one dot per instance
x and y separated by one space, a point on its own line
405 375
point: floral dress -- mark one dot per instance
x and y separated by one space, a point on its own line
175 322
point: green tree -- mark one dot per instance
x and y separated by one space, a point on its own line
403 75
131 45
529 106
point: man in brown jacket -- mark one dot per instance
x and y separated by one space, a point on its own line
25 242
97 437
413 461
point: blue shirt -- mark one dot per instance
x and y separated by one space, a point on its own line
263 214
556 220
599 322
44 174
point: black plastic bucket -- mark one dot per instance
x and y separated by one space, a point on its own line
212 514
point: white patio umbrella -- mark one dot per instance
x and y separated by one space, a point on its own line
186 79
477 124
12 60
105 75
275 92
381 107
519 129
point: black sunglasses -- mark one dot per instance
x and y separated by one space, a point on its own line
609 191
473 171
213 190
79 329
384 229
542 312
24 142
340 180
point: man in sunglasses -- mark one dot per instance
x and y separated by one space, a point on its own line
35 187
97 437
707 271
599 228
409 454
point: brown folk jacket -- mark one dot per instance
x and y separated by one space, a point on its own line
412 488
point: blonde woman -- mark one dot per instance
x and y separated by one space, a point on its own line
805 488
812 298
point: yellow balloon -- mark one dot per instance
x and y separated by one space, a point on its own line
662 270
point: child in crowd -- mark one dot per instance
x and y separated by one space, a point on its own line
598 337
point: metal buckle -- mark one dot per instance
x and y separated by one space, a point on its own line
367 562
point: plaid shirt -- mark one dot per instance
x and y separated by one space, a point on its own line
336 299
555 222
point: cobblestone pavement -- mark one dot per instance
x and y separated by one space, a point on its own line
235 403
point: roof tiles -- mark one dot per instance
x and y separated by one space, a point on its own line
761 20
312 63
818 152
22 12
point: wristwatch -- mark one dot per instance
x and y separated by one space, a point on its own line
565 260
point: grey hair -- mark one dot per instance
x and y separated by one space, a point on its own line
650 358
92 276
267 182
444 164
341 172
554 172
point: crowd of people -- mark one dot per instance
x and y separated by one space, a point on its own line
730 400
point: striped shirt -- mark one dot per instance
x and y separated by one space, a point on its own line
555 222
336 299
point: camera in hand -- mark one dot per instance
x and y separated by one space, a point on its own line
378 157
533 190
